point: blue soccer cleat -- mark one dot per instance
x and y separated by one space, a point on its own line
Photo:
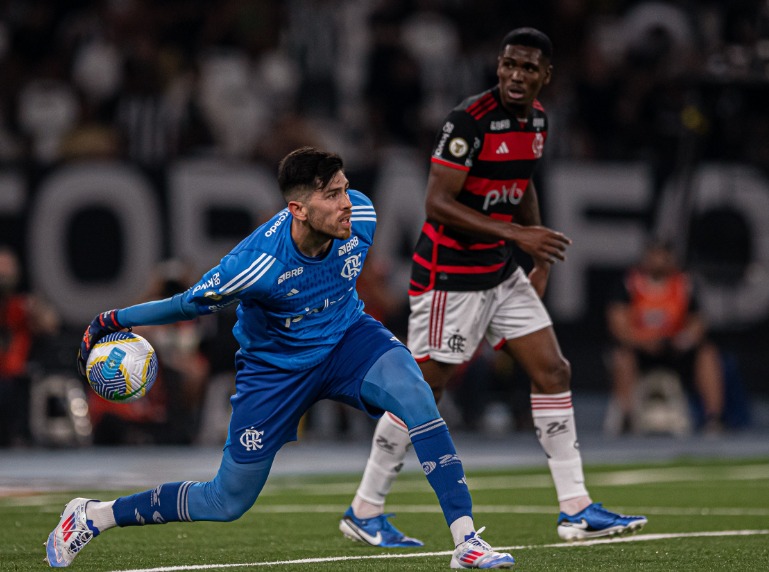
595 522
376 531
69 537
476 553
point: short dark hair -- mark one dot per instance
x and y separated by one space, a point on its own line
307 169
530 37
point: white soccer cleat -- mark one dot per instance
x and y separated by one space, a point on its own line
476 553
69 537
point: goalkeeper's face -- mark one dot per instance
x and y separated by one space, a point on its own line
328 209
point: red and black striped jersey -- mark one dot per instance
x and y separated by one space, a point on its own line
499 153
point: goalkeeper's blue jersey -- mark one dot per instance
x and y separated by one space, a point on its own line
292 309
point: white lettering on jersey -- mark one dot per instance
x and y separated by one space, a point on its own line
500 125
283 216
348 246
448 127
210 283
290 274
309 311
513 195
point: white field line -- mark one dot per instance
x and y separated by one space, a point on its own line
609 478
515 509
52 505
635 538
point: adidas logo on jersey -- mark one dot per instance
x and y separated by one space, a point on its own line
502 149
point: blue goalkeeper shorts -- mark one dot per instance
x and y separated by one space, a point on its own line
269 402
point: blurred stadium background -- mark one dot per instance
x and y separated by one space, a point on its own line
139 141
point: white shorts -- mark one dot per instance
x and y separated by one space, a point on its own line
449 326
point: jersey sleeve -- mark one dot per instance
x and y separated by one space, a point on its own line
363 215
458 141
238 276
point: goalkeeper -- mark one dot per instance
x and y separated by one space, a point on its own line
303 337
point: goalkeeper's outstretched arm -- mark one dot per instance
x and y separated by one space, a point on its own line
157 312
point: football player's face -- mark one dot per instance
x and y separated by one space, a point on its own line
522 71
329 209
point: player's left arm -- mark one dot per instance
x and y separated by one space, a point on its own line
527 213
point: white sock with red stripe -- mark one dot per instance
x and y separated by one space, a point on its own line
554 422
388 449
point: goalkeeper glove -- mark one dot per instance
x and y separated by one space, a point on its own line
103 324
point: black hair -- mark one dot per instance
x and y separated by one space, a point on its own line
307 169
530 37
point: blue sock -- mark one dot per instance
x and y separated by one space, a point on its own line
441 464
165 503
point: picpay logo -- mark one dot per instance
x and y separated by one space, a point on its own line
512 196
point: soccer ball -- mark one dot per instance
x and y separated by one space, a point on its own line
122 367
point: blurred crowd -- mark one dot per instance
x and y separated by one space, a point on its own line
153 80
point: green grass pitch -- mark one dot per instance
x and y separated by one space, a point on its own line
703 515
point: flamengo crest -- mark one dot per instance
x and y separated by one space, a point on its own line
352 266
251 439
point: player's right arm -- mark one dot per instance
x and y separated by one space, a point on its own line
444 184
219 287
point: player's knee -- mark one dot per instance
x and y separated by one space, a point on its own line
556 378
232 511
418 404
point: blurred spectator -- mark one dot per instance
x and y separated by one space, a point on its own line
170 413
655 323
24 320
392 85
